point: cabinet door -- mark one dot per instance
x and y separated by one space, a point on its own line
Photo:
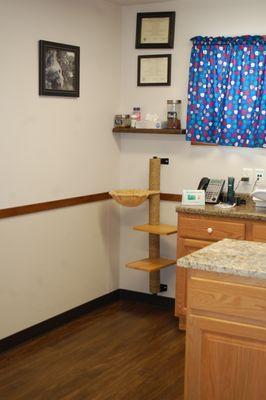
224 360
259 232
184 247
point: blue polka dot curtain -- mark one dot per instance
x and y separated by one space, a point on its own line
227 91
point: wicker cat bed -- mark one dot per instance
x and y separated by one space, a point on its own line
132 197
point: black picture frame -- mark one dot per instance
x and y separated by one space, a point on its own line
59 66
141 44
167 81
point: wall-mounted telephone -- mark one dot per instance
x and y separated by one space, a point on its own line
213 189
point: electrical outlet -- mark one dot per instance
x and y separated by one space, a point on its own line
248 173
165 161
259 174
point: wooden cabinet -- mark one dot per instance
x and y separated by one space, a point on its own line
185 247
197 231
259 232
226 338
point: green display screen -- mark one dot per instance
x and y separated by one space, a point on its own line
191 197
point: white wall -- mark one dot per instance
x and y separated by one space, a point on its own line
51 148
187 163
54 147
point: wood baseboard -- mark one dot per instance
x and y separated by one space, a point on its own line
160 301
68 316
56 321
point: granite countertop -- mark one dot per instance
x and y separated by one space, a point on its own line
248 211
234 257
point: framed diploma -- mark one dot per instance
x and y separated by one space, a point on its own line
155 30
154 70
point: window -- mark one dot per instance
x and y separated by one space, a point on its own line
227 91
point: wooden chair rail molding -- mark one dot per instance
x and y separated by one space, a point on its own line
51 205
170 197
72 201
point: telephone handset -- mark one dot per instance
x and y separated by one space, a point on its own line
203 183
213 189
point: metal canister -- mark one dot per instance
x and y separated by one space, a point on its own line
118 120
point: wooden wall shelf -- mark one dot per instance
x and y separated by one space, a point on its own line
151 264
156 131
161 229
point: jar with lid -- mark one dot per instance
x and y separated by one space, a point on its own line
122 121
126 121
174 114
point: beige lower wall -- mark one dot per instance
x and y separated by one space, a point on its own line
53 261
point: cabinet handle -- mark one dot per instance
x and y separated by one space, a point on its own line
209 230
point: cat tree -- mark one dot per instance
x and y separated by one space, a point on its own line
131 198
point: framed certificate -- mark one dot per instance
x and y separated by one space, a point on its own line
154 70
155 30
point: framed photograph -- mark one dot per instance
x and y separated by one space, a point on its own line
58 69
155 30
154 70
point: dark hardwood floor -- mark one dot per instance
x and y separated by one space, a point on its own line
123 351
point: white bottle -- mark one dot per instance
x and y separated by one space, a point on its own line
134 119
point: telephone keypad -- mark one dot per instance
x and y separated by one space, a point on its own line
213 190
